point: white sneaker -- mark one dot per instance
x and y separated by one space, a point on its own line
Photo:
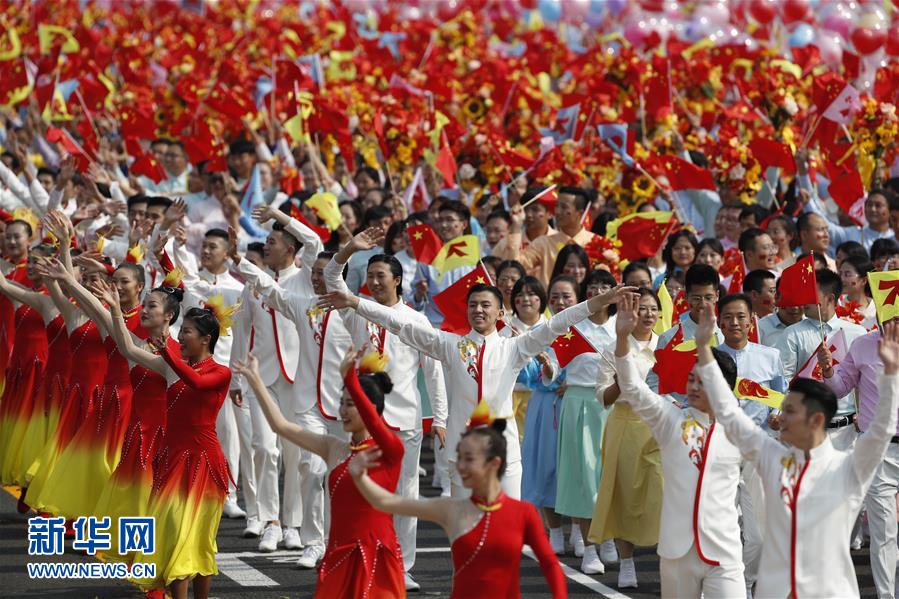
608 553
576 540
232 510
292 539
312 554
270 538
422 471
557 540
253 529
591 564
627 574
411 585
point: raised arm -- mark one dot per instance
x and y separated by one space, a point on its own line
749 438
436 510
17 293
535 537
391 446
282 300
92 307
312 244
192 378
871 446
314 442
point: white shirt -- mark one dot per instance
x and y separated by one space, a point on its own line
581 371
771 329
402 406
477 366
802 339
323 343
696 454
643 355
273 336
812 503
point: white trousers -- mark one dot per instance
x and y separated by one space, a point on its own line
406 527
511 481
313 471
881 505
690 577
441 478
751 498
233 427
267 449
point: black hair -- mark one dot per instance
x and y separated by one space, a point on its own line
748 237
43 249
396 269
376 385
879 191
759 212
136 269
850 248
667 252
241 146
421 216
571 281
788 224
894 199
829 283
862 267
816 397
220 233
755 280
14 161
206 323
292 241
24 223
154 201
367 170
500 213
698 158
382 192
495 442
256 246
459 208
354 206
711 243
701 274
727 366
514 265
601 277
532 284
325 255
173 296
884 248
893 184
734 297
375 213
633 267
137 198
482 288
493 261
802 223
395 229
647 292
562 257
581 196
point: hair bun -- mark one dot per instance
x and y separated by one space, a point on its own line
499 425
177 293
383 381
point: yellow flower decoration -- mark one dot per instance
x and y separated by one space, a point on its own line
222 312
373 362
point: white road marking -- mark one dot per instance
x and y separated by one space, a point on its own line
241 572
583 579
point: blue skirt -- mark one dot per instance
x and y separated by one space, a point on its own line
538 452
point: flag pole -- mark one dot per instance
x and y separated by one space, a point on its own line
821 322
538 196
486 272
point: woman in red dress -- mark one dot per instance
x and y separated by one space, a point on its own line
191 475
363 558
17 240
488 530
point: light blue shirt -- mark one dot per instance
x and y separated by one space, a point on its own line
762 365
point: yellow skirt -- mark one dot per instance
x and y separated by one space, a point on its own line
520 410
629 501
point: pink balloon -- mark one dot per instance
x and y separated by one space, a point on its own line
717 14
830 47
636 32
576 9
838 21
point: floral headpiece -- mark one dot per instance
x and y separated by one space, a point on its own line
372 362
222 312
481 416
174 278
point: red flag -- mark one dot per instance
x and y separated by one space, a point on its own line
773 153
673 368
686 175
657 99
847 190
148 166
446 163
425 243
680 307
62 137
452 301
737 278
642 236
138 122
324 233
571 345
754 330
228 102
798 285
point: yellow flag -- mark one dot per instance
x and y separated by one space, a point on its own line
325 206
294 128
15 45
46 33
666 313
461 251
749 389
885 293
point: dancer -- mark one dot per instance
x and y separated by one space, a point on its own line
363 557
699 555
190 481
814 491
17 238
402 406
488 530
629 500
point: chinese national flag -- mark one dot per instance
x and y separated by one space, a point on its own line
680 306
641 234
754 330
229 103
138 122
446 163
773 153
846 189
571 345
798 285
452 301
673 367
737 278
885 293
686 175
148 166
425 243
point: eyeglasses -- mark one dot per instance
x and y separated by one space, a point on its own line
647 310
695 299
448 221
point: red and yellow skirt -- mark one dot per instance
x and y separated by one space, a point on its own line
364 569
19 411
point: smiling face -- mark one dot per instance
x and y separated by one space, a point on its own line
763 300
527 304
647 315
562 294
796 425
17 242
483 312
506 280
471 462
278 252
877 211
153 315
449 225
853 284
317 274
382 283
816 236
349 415
128 287
778 233
496 230
683 253
696 396
194 344
575 268
735 320
763 255
213 254
710 257
568 217
536 218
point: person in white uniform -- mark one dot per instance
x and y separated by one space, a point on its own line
813 490
699 537
402 406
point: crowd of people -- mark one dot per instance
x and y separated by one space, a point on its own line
249 281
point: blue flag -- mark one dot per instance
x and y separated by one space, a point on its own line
566 124
615 135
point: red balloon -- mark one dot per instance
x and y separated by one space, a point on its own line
867 41
893 39
762 11
794 10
